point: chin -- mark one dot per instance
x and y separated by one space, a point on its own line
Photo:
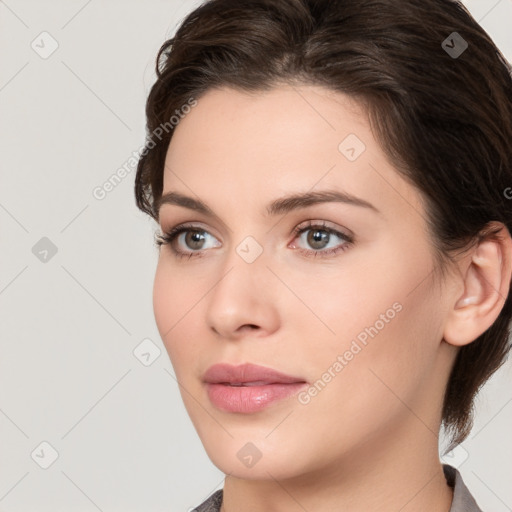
262 470
256 459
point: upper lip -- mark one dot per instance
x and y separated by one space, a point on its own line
224 373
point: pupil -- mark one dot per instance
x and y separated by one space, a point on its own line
318 236
196 237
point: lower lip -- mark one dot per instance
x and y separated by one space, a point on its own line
247 399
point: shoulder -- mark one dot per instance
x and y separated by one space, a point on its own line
212 504
463 500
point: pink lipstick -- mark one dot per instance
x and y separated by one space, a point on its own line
248 388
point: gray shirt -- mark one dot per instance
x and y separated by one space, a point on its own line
463 501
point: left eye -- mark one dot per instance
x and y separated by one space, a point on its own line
318 236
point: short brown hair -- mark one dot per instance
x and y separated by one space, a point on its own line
444 120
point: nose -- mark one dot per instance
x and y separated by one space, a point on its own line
243 299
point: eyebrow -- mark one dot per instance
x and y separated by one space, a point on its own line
276 207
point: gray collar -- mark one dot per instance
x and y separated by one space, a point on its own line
463 501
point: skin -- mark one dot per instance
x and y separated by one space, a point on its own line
369 439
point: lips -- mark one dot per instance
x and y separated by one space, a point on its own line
248 388
247 374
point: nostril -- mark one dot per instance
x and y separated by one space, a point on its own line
247 327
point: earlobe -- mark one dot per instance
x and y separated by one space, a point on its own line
486 287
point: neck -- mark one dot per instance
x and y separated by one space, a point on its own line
390 474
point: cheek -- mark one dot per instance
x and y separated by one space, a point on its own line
173 303
365 373
380 317
164 301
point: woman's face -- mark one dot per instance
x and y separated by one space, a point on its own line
346 306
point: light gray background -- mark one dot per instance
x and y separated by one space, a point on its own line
70 325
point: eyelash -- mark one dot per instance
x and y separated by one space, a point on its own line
169 237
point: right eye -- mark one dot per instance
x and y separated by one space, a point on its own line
194 238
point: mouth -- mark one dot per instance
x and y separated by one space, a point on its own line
248 388
257 383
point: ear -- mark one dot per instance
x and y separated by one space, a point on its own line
486 279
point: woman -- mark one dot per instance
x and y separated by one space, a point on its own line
330 180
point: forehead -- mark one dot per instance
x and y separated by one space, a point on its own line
270 123
235 147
